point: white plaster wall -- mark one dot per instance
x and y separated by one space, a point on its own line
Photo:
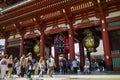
77 22
93 18
37 31
11 37
27 33
62 25
114 14
49 28
17 36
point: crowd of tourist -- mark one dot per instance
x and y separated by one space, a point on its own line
26 66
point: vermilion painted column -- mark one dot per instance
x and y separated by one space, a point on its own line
71 44
5 48
105 37
106 44
42 45
49 50
56 60
82 55
22 46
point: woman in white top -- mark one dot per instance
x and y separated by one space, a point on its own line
50 66
3 67
75 65
87 66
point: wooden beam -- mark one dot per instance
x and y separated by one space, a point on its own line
115 55
38 22
113 19
113 28
85 25
56 30
14 45
18 27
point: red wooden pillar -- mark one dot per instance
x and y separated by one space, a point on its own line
105 37
49 50
42 45
56 59
5 48
82 55
106 44
71 44
21 46
48 53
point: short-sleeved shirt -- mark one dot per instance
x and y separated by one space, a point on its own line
50 62
4 62
75 63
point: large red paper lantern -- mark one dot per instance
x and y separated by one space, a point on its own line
61 44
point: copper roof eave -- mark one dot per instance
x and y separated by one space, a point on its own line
31 4
49 10
27 9
18 16
32 13
15 6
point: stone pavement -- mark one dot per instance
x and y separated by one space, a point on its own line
111 75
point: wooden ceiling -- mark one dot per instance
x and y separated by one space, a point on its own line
41 14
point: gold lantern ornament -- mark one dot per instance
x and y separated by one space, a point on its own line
37 48
91 42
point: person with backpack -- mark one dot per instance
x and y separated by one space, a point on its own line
42 67
68 65
50 66
75 65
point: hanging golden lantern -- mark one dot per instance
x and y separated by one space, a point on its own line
37 48
91 41
61 55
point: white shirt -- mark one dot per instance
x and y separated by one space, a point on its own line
50 62
3 61
3 66
60 63
74 63
87 62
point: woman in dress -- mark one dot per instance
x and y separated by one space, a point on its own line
10 65
87 66
29 65
22 65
